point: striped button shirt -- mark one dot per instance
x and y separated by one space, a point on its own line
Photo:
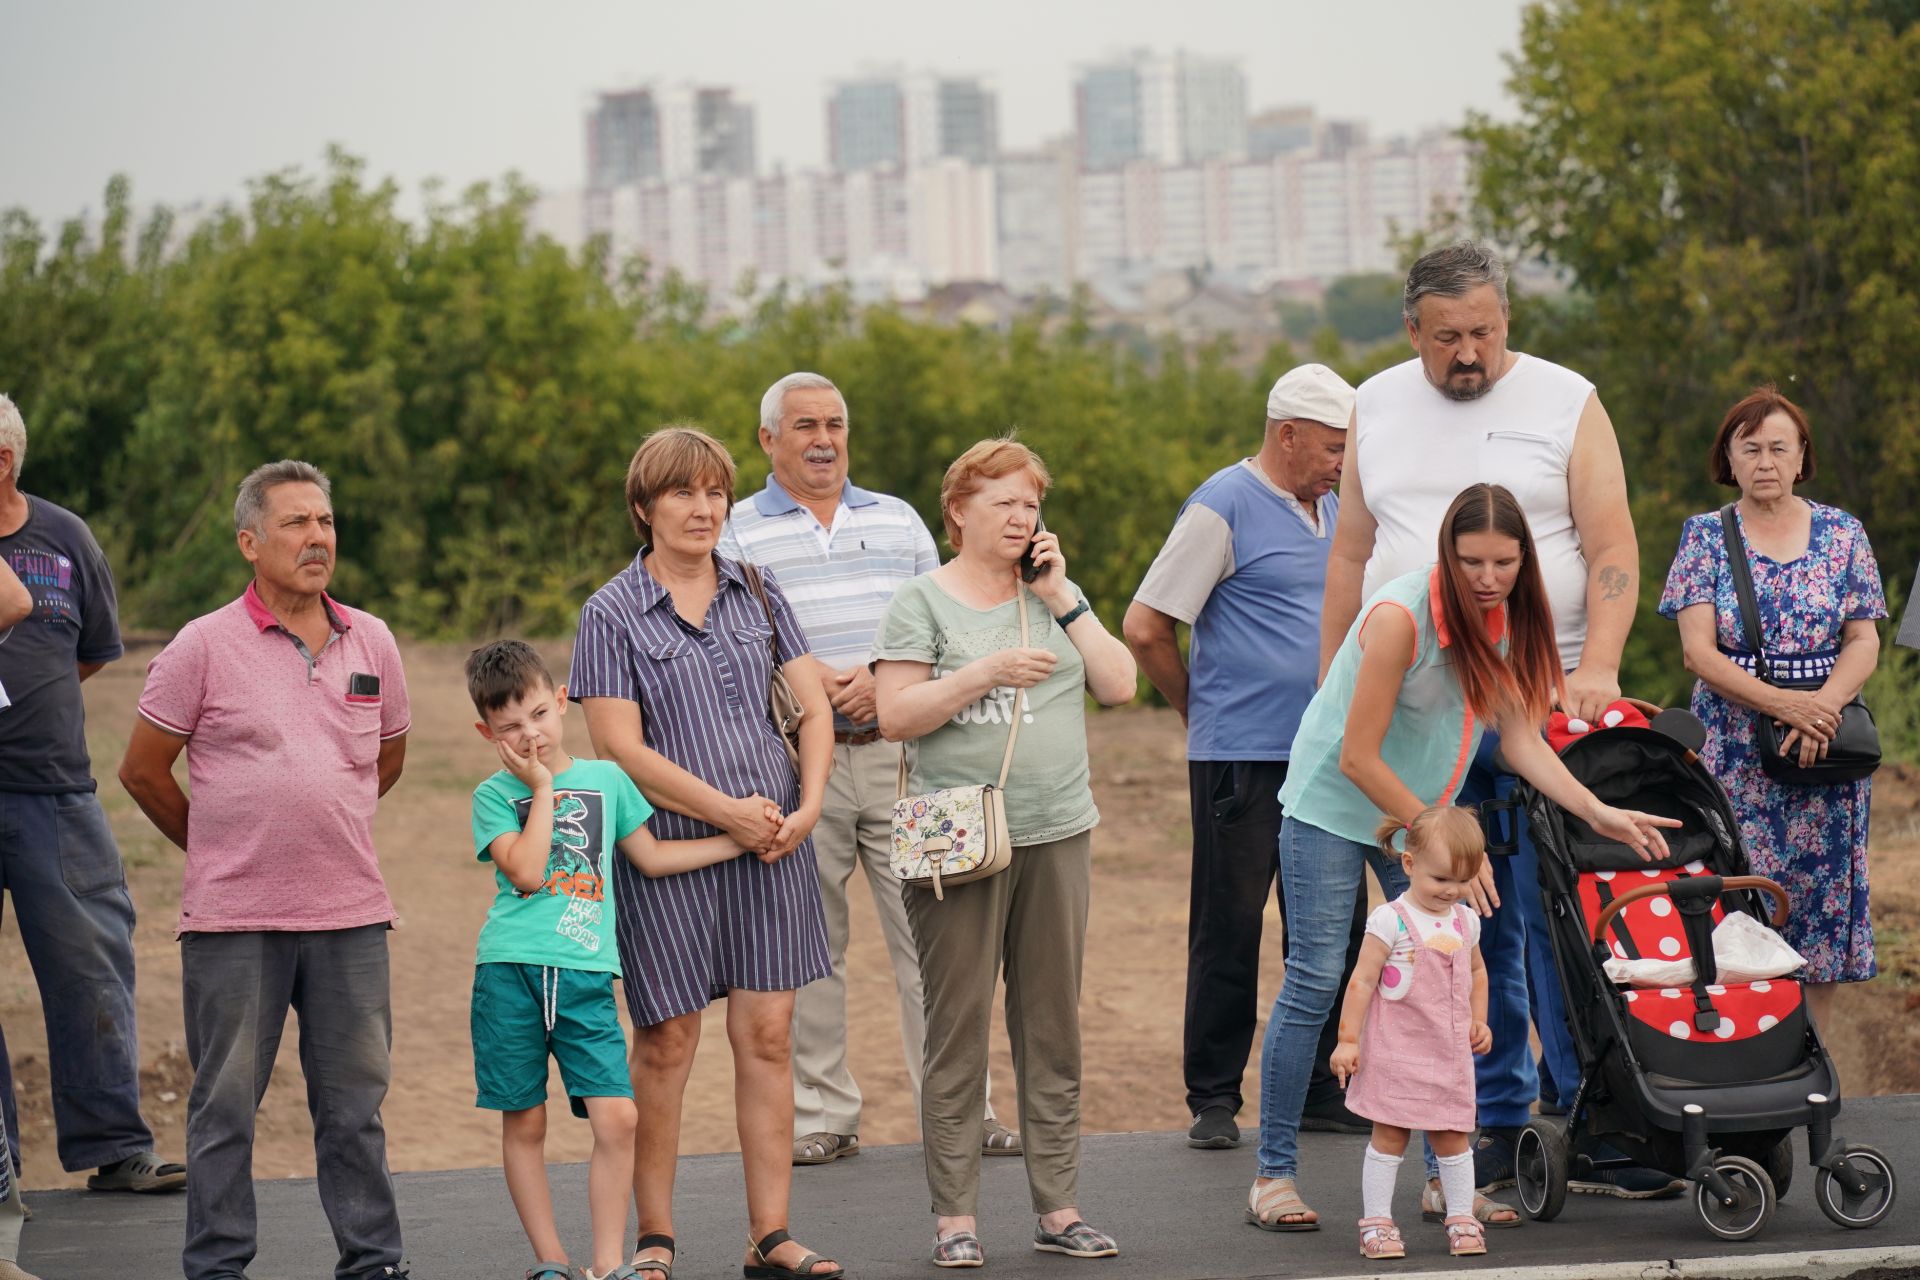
838 581
686 939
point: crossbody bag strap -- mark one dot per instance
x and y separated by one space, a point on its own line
1742 573
1013 734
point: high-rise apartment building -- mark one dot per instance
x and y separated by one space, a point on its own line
623 139
966 121
867 124
1280 131
894 119
1212 105
1107 113
1167 175
668 132
1035 199
1178 109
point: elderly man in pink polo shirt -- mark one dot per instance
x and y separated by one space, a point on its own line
292 710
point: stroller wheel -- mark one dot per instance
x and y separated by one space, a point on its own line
1744 1213
1851 1206
1540 1162
1779 1166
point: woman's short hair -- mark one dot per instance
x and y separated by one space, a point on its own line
1744 419
988 460
668 459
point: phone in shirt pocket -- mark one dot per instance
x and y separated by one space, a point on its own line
363 690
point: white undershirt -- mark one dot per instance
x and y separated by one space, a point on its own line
825 532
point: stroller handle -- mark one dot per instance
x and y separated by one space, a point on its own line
1728 885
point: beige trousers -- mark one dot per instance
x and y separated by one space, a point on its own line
855 832
1032 918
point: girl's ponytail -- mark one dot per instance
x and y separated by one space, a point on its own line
1455 828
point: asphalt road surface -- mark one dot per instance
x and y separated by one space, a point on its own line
1178 1214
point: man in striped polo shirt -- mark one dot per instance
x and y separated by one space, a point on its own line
839 552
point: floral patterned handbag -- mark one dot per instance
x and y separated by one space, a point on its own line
956 834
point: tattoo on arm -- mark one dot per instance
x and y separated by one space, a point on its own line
1614 582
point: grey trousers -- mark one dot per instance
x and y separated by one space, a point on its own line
1032 918
238 988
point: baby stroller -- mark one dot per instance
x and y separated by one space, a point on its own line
1706 1080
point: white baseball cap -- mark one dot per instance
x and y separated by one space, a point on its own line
1313 392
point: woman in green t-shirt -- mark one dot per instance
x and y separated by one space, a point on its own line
950 672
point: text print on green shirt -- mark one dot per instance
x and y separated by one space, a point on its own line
995 706
574 862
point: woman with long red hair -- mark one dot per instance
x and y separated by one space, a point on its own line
1434 659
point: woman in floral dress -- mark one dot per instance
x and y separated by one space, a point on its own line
1818 591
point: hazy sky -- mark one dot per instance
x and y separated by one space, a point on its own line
193 97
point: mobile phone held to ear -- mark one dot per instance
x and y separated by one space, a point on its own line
1028 569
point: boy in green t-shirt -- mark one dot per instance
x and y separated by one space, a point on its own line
544 969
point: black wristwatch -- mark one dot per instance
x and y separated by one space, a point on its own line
1072 615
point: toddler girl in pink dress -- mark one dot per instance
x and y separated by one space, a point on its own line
1414 1015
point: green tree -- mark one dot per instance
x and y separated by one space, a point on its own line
1365 309
1730 189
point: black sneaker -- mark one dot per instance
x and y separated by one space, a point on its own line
1629 1182
1214 1129
1492 1163
1333 1117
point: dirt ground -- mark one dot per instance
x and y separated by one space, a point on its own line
1130 1016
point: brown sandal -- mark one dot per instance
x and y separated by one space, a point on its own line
824 1147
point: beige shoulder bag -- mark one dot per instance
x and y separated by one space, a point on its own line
959 833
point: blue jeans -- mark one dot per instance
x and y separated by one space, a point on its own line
1320 873
1523 986
59 862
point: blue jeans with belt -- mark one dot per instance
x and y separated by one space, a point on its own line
1523 986
60 865
1321 875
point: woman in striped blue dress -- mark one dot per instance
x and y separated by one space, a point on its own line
671 667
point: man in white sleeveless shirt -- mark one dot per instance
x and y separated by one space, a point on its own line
1467 410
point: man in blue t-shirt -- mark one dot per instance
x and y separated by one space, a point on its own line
1245 567
58 859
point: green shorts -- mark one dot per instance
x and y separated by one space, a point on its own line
511 1040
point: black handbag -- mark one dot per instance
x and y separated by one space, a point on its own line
1854 752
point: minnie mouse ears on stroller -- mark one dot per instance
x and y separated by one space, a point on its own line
1630 713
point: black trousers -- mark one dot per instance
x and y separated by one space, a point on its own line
1236 857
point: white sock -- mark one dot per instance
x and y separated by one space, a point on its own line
1377 1175
1456 1183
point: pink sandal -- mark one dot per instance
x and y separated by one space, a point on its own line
1465 1236
1380 1240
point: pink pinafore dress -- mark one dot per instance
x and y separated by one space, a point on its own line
1416 1055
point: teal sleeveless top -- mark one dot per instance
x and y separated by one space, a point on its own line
1430 742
